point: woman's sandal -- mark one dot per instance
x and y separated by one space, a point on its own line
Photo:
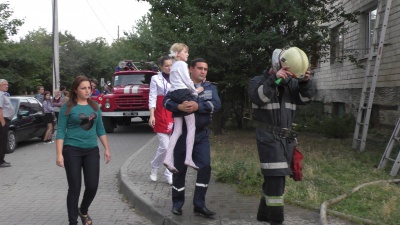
86 220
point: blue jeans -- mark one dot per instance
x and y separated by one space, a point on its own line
75 160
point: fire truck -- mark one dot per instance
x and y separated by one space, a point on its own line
129 96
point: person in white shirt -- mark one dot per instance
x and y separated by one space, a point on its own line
182 89
160 118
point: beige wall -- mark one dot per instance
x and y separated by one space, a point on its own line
342 82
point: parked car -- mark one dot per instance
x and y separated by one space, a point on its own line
28 121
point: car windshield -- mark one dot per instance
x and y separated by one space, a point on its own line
132 79
14 103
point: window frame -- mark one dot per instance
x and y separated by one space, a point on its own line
337 44
370 30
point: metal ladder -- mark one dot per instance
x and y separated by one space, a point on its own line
364 109
386 156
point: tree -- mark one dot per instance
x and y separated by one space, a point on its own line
28 63
238 37
8 27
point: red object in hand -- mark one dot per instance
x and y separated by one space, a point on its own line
296 165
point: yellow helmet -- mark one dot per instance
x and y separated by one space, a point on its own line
297 61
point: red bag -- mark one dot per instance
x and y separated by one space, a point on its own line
164 119
296 165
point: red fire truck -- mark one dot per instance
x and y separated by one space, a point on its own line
129 96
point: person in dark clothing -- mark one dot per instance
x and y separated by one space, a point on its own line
207 102
275 95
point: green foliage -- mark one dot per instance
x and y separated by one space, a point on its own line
311 118
338 127
238 37
330 168
8 26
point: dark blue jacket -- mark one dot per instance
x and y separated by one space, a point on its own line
208 101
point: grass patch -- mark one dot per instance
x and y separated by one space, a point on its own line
330 168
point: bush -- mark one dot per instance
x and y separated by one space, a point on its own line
311 118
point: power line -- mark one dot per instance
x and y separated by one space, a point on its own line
100 20
110 15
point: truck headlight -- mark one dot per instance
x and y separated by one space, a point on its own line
107 104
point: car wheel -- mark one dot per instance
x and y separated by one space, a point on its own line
108 125
12 141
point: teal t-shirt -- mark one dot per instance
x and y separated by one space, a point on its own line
81 127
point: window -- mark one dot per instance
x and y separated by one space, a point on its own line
370 18
339 109
36 106
130 79
337 44
23 107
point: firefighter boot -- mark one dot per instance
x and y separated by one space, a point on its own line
262 214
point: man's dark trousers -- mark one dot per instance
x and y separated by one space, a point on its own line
4 139
201 157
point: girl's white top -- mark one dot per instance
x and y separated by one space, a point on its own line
180 78
158 86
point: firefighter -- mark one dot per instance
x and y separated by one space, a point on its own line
275 95
207 103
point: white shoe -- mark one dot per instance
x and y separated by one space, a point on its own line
153 174
169 179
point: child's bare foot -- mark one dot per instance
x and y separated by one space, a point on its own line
190 163
170 167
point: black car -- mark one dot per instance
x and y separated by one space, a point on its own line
28 121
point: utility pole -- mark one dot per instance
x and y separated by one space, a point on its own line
56 48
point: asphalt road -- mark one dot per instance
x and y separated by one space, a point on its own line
33 191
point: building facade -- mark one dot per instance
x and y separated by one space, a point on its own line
339 82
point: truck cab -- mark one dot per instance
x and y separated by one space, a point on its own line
129 96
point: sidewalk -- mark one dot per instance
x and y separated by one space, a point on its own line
153 199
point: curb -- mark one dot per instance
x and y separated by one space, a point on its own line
133 193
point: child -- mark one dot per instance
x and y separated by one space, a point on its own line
182 89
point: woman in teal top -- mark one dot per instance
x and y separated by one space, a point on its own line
79 126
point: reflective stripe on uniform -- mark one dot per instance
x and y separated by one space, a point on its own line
291 106
178 189
278 165
267 106
274 200
304 99
260 91
212 106
201 185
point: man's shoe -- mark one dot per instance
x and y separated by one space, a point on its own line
203 211
4 165
177 211
6 162
153 174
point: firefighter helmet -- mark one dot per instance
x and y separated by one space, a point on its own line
293 57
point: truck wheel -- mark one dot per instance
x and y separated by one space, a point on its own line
108 125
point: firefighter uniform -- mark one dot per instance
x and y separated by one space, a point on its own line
208 102
274 108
